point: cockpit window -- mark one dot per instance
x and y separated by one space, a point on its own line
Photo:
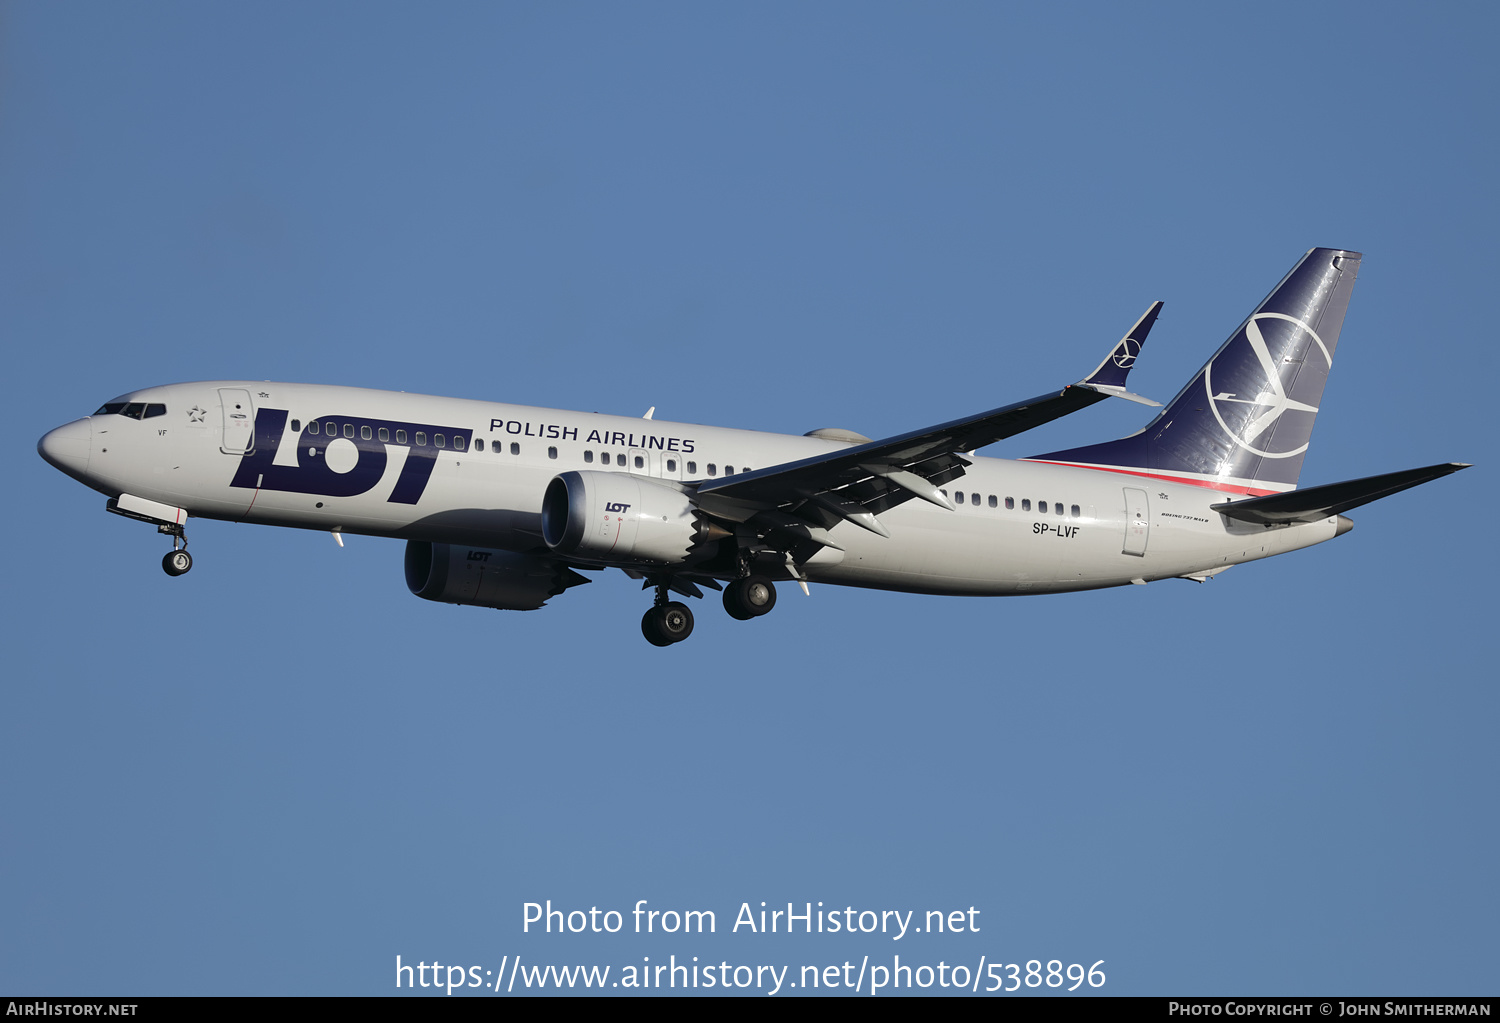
133 410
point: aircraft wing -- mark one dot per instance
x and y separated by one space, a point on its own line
860 482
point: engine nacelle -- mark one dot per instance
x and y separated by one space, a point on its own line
620 519
484 578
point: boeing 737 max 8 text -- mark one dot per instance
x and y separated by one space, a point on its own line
505 506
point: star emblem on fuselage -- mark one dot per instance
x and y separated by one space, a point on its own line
196 414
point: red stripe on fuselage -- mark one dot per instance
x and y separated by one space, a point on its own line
1228 488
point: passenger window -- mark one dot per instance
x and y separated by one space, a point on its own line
312 427
1010 504
400 436
364 433
713 470
604 458
515 448
296 425
1026 504
1077 514
620 459
692 468
671 465
551 452
421 439
959 496
728 470
349 430
1058 507
994 503
640 463
439 440
974 499
588 456
384 434
1041 507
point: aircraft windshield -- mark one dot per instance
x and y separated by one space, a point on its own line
132 410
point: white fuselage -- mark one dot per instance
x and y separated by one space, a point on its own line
1099 528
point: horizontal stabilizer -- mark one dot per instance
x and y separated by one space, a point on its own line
1316 503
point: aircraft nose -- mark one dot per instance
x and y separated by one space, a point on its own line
67 447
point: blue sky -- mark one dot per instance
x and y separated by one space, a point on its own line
276 774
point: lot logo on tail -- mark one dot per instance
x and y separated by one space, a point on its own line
1272 396
1124 355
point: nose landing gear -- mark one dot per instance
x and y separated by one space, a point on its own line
177 560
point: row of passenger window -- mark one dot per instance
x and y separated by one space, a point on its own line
419 439
639 462
132 410
1010 503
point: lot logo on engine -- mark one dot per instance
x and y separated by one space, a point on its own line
616 506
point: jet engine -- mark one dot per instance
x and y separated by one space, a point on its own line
616 518
485 578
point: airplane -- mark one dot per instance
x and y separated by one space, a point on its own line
506 506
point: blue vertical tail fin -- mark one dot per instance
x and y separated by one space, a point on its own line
1244 422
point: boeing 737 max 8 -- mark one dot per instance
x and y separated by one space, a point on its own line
504 506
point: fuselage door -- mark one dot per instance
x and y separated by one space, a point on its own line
239 421
1137 522
640 462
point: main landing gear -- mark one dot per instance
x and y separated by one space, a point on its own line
668 622
749 597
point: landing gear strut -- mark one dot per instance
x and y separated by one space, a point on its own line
178 560
749 597
668 622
